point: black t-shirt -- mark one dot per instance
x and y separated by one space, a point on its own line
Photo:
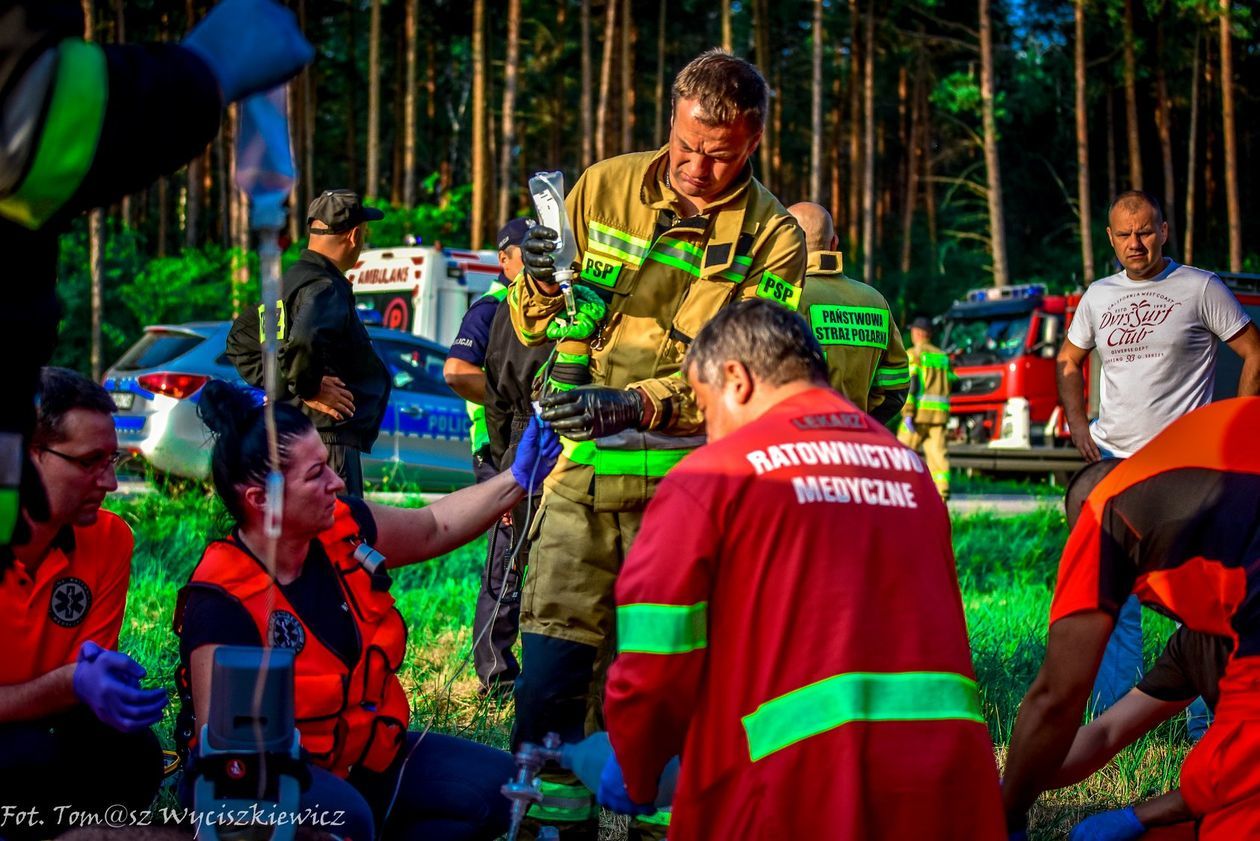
214 618
510 371
1191 665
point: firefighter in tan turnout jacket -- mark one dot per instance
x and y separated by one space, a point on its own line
665 239
866 361
926 412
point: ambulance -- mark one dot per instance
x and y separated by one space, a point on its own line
422 290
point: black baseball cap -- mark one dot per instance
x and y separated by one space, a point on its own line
513 233
340 210
922 324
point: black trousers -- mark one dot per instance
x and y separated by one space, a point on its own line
71 762
493 658
344 460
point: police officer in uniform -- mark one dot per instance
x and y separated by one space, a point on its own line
328 366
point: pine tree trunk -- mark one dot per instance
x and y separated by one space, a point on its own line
192 206
1192 156
855 137
510 66
480 157
605 80
399 119
728 41
914 150
1082 149
929 188
308 120
761 30
1232 205
658 121
868 145
992 165
96 243
1130 100
836 137
374 104
410 29
1113 175
627 77
351 109
297 213
588 114
816 109
1163 123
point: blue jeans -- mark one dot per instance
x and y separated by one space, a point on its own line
1198 719
449 791
1121 665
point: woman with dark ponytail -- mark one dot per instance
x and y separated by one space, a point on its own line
328 601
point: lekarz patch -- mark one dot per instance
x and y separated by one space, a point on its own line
600 269
832 420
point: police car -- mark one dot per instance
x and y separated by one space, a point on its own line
156 385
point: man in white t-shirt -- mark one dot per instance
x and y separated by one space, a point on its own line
1156 326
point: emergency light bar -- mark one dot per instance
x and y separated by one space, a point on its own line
1006 293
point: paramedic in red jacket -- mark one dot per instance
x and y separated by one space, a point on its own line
777 629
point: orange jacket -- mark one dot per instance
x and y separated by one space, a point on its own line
347 717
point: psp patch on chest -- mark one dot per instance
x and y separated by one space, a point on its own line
285 631
832 420
69 603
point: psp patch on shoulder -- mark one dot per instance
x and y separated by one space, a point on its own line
832 420
285 631
70 600
600 269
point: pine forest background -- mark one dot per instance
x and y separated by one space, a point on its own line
957 144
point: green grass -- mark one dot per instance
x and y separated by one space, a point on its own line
1006 568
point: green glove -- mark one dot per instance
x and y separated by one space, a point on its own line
590 312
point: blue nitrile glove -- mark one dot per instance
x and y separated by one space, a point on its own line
612 792
909 423
250 45
1116 825
108 682
539 443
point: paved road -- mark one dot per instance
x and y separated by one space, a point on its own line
131 486
1000 504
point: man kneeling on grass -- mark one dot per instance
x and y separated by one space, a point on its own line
74 722
1177 525
774 630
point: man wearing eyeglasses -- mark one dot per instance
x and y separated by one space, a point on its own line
74 720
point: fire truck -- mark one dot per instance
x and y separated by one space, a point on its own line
1004 406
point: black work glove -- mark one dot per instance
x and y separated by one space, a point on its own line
583 414
536 250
